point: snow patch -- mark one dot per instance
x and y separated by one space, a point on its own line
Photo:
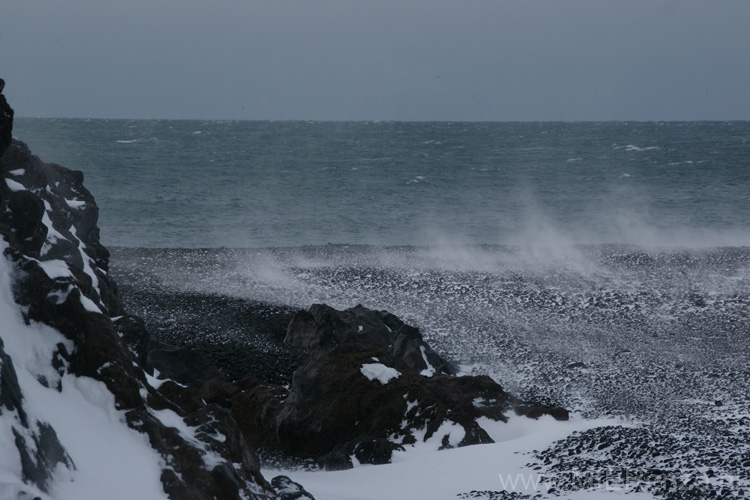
89 304
14 186
52 234
379 372
55 268
171 419
87 264
430 370
75 203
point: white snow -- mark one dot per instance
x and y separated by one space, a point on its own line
422 473
111 460
55 268
454 432
52 234
154 380
18 172
75 203
171 419
86 262
89 305
14 186
379 372
430 370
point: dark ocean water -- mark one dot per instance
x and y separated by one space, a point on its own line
263 184
600 266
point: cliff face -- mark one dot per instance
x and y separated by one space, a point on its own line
58 273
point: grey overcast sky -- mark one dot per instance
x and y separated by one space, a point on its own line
378 60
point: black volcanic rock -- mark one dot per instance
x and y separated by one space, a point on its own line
370 386
289 490
49 220
6 121
323 327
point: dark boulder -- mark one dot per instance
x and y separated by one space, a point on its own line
372 451
25 221
371 386
132 330
286 489
323 327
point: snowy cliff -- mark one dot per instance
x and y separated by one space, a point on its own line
80 417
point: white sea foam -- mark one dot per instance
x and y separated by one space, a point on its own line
632 147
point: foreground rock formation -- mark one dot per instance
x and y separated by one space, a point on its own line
48 221
371 386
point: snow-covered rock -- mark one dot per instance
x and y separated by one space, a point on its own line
80 417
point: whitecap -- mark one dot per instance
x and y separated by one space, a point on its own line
633 147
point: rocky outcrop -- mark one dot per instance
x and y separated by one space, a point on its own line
371 386
6 120
49 223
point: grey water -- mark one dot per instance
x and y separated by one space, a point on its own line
235 184
604 267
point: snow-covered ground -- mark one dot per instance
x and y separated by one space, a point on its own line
424 473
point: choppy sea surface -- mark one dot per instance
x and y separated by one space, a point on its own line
601 266
262 184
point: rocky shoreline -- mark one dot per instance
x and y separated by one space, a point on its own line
242 337
258 344
336 387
